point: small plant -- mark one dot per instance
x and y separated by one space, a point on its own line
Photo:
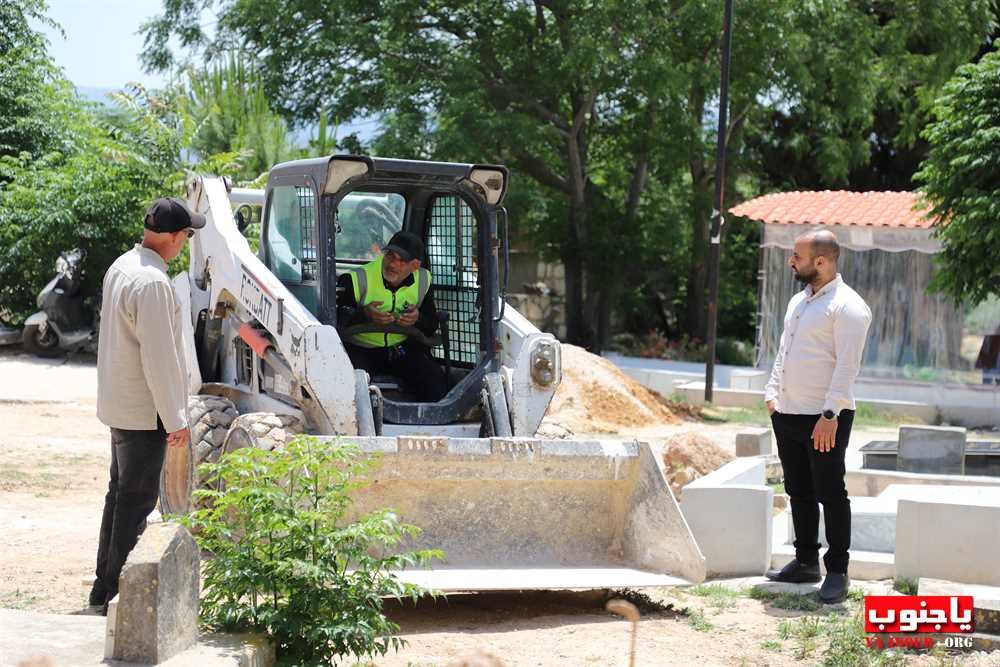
762 594
786 629
719 596
287 562
786 600
806 632
847 647
770 645
696 619
18 599
905 586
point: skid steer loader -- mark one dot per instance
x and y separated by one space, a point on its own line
266 361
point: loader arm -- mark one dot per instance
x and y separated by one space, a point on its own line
231 283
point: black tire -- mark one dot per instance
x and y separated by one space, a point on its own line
41 345
262 430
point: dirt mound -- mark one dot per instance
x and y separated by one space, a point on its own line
688 456
596 397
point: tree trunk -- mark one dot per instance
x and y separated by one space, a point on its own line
576 325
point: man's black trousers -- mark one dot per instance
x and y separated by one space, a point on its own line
409 361
136 461
813 477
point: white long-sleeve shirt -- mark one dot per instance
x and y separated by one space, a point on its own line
820 352
141 368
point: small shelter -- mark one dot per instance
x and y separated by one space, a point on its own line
887 256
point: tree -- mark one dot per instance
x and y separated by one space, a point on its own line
27 83
605 106
231 114
961 178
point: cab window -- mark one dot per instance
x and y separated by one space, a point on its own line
365 223
291 234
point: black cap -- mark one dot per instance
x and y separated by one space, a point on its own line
170 214
407 245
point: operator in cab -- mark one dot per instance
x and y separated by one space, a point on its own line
392 289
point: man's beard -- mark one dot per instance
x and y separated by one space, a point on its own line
806 277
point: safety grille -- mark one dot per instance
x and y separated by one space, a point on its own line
451 253
307 222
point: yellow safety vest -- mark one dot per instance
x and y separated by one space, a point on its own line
369 286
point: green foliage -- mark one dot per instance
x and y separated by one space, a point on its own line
29 121
696 619
75 175
786 600
961 178
847 647
288 561
232 115
905 586
90 193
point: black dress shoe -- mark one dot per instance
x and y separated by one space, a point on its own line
98 595
834 588
795 573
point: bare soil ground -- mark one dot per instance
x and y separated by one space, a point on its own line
54 457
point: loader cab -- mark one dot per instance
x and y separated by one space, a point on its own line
325 216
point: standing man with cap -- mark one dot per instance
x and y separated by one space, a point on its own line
811 400
393 289
141 382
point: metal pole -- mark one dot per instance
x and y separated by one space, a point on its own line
715 238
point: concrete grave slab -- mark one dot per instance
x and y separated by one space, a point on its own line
753 442
931 449
873 525
945 540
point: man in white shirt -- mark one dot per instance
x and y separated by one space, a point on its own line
810 397
141 382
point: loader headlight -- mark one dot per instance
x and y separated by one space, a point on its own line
544 362
341 170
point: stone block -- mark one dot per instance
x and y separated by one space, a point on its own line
931 449
156 615
753 442
946 540
748 380
729 512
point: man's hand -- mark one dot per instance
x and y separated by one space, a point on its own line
178 438
377 316
771 406
824 434
409 316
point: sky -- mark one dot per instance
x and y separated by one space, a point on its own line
100 50
101 47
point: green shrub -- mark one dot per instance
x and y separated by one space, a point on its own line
286 559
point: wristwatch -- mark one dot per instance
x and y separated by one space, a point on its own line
829 415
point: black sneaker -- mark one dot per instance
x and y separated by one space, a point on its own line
834 588
795 573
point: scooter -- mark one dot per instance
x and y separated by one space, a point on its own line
63 323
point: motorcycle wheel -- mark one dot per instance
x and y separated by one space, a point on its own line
40 344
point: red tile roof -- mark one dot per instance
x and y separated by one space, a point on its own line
837 207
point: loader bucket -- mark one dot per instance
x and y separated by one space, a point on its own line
523 513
